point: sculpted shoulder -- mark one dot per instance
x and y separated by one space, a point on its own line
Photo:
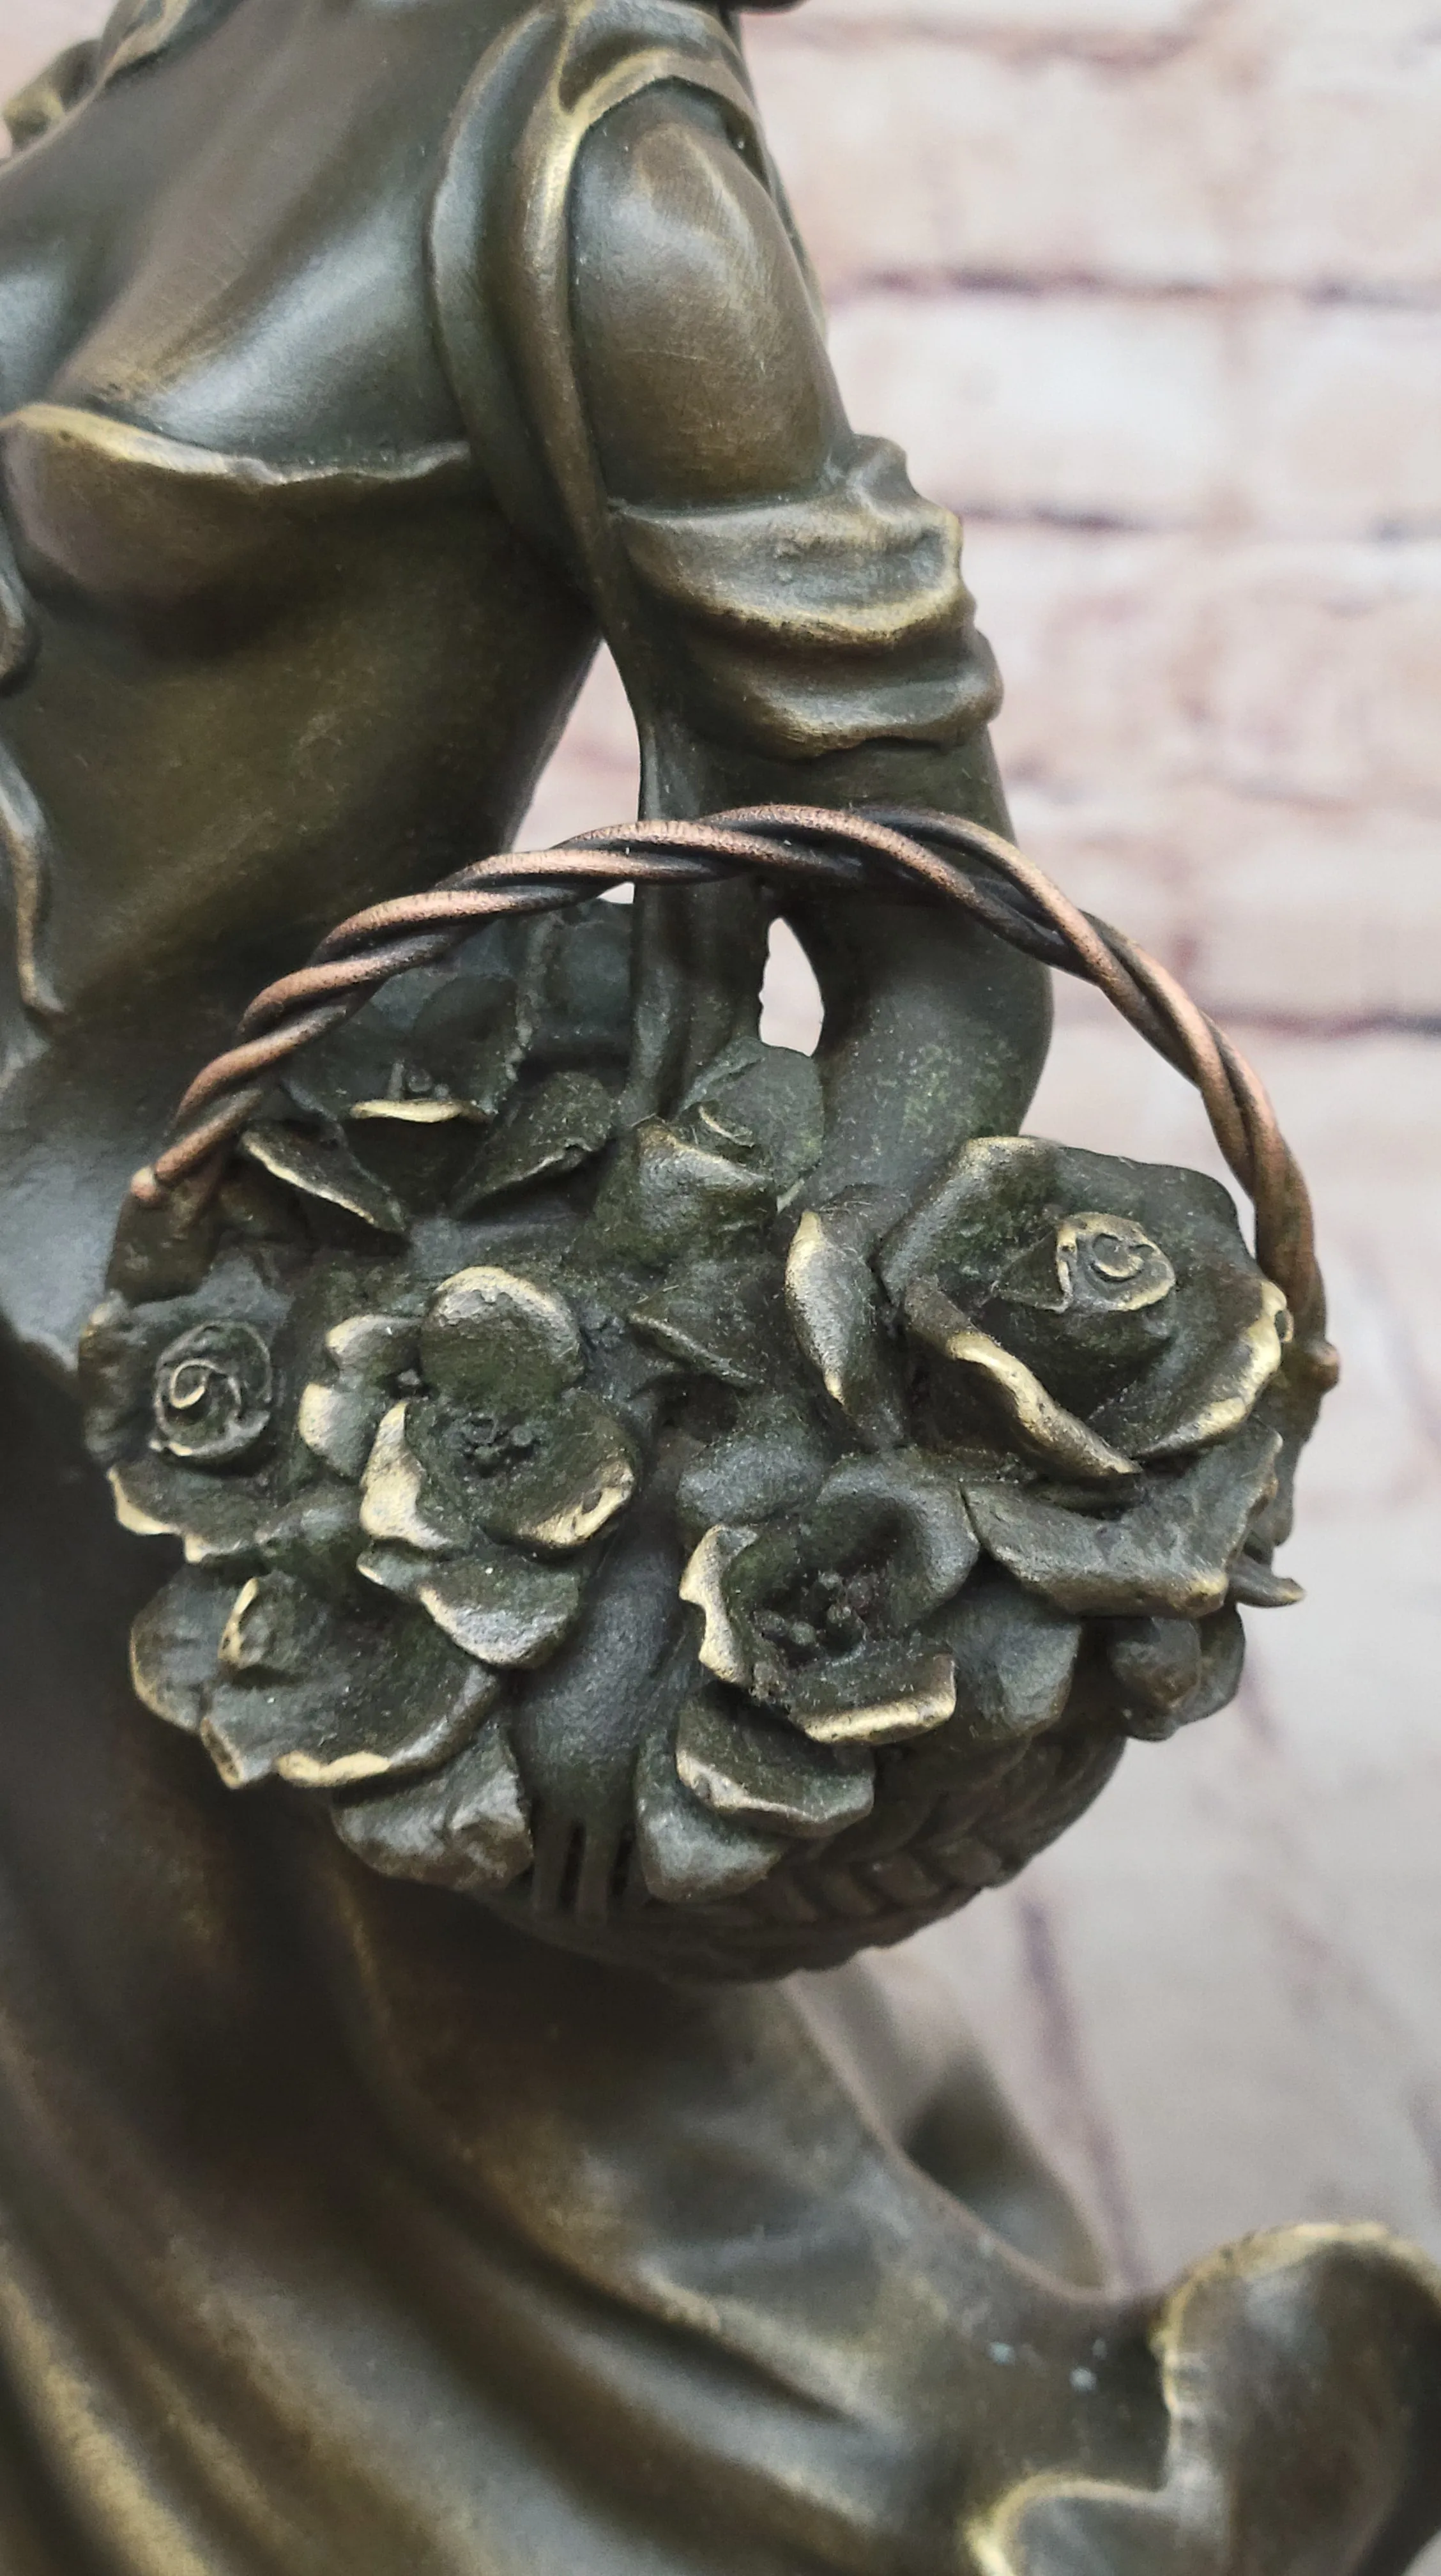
224 241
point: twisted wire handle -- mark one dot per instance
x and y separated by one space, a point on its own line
880 848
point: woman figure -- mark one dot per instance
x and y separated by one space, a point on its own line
360 362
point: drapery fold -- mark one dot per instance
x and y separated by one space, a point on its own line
831 616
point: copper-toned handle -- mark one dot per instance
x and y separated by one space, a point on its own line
876 850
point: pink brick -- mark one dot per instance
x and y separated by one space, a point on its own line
1306 419
1343 187
1320 916
1316 670
1286 671
1338 418
1228 161
1265 910
1095 406
1091 630
1109 25
927 159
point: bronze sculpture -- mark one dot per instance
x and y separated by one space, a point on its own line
550 1391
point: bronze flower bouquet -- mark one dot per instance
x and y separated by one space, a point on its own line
611 1525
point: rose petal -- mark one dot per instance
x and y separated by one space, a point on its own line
1015 1657
363 1056
323 1168
217 1516
466 1827
406 1702
339 1421
1171 1553
123 1342
714 1317
1002 1194
548 1133
438 1110
1157 1664
985 1208
175 1646
747 1769
1093 1263
879 1696
1167 1682
582 1475
479 1028
766 1100
276 1627
213 1393
688 1855
772 1462
499 1343
907 1515
399 1499
339 1424
373 1349
722 1649
316 1535
663 1195
116 1362
835 1310
502 1609
1005 1195
395 1569
1041 1429
1194 1396
1259 1587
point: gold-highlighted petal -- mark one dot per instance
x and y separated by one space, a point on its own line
374 1348
1258 1586
276 1627
835 1310
387 1706
1170 1556
689 1855
914 1693
339 1423
440 1110
702 1585
501 1609
581 1474
1045 1430
398 1503
762 1773
499 1342
216 1516
395 1569
1242 1376
322 1168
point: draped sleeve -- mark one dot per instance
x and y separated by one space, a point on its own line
821 619
801 601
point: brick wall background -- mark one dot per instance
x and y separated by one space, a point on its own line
1151 291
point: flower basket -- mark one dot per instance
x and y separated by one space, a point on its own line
607 1521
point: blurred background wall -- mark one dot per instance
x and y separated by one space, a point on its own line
1151 292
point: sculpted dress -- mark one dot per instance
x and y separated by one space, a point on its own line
359 362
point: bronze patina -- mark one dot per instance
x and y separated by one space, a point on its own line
647 1511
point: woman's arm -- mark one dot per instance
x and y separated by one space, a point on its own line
815 636
807 634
